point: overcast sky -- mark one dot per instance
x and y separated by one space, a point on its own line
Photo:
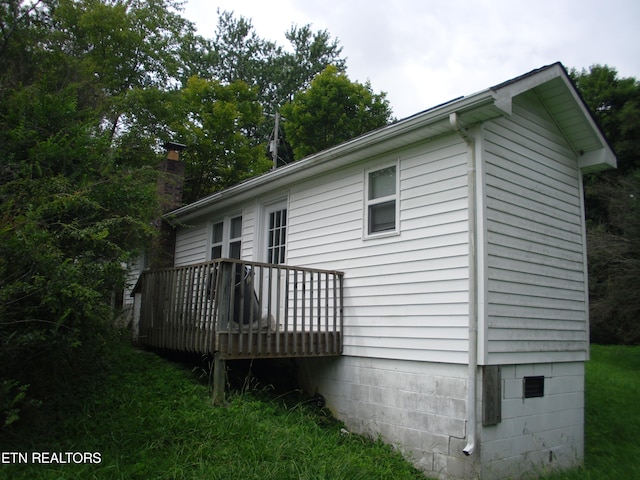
425 52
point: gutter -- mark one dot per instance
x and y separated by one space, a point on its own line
476 108
454 119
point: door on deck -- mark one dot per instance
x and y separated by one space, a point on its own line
226 242
274 252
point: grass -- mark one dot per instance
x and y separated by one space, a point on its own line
151 419
612 416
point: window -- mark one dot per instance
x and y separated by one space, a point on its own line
226 238
276 236
235 238
381 200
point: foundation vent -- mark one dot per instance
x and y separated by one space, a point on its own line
533 387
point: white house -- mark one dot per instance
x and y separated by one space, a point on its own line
460 235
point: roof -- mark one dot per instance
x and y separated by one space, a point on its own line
551 83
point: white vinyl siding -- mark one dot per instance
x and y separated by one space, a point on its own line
248 232
536 303
192 243
134 269
406 296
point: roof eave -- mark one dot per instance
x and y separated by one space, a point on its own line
595 155
346 153
472 109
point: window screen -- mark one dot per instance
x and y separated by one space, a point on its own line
382 183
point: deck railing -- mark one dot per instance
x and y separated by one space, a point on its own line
240 309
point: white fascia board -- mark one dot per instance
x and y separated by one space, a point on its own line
508 90
601 158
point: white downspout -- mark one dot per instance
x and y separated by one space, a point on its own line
473 282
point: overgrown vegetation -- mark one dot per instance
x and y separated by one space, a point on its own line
90 90
149 418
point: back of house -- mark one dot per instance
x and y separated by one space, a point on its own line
459 233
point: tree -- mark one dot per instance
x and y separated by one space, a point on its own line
332 110
218 122
89 90
613 208
133 52
276 72
76 193
309 54
69 218
240 53
614 261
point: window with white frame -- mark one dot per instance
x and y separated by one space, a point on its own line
235 237
276 235
226 238
381 200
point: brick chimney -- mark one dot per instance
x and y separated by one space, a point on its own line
170 188
171 178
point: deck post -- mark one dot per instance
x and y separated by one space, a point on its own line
219 367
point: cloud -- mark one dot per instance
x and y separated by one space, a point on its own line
425 53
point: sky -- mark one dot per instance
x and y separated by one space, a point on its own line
426 52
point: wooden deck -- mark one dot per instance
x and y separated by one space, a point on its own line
235 309
289 344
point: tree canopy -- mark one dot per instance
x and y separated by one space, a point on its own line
90 91
332 110
218 122
613 207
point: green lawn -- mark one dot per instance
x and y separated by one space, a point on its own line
612 416
151 419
